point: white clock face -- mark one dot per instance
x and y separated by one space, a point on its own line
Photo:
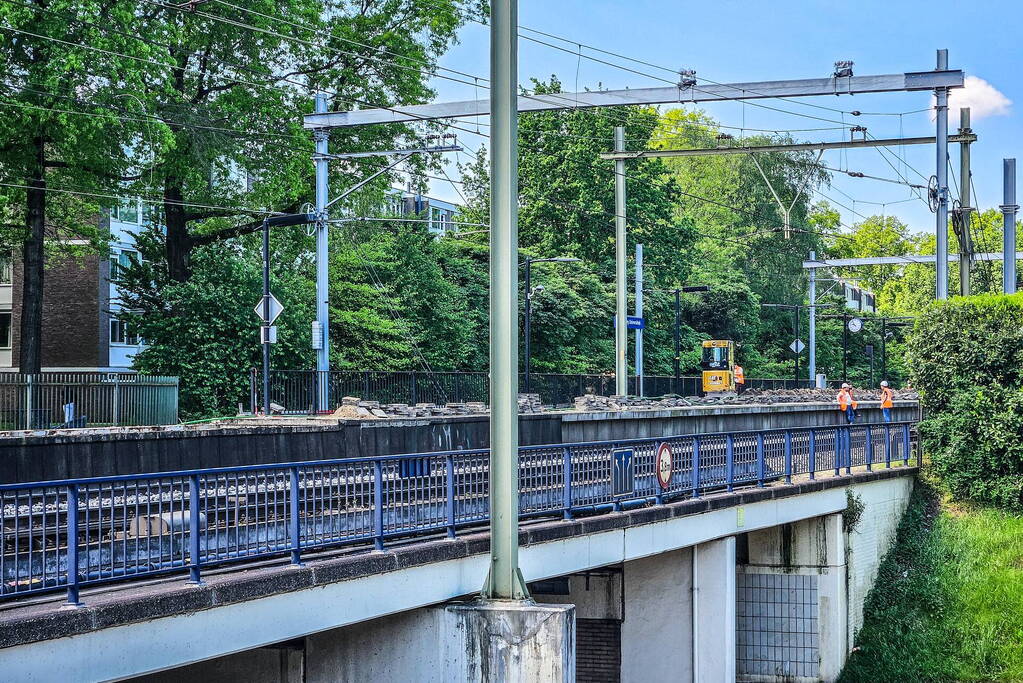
855 325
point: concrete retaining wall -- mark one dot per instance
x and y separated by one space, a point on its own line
72 455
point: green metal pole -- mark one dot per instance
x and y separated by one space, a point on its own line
504 583
621 294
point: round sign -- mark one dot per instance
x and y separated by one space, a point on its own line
665 460
855 324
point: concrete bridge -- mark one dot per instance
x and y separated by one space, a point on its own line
740 555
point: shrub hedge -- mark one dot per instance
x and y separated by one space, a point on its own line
966 359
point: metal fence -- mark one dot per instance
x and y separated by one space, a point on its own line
296 390
73 533
55 400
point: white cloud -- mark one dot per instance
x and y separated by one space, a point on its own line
981 97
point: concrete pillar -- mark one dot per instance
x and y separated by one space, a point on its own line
511 641
657 629
793 605
714 611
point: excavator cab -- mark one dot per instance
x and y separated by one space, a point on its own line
717 362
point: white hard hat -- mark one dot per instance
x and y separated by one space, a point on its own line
846 385
884 382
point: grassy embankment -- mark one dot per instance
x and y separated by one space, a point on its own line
948 602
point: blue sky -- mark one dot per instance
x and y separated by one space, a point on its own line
730 41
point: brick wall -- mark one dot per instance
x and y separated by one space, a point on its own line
72 313
598 650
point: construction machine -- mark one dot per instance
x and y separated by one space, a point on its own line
718 362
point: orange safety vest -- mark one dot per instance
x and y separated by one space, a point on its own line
886 397
740 376
845 399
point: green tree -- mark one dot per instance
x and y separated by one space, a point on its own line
63 131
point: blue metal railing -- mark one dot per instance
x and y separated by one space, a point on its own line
73 533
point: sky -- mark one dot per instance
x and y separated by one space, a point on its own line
732 41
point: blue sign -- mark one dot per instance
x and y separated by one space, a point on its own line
635 322
623 472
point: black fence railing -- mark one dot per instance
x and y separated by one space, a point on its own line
298 392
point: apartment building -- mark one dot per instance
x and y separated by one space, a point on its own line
439 214
82 329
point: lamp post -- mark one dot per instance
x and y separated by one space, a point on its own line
273 221
678 291
795 308
528 263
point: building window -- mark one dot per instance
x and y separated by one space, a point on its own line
127 211
5 330
6 263
120 259
436 219
122 332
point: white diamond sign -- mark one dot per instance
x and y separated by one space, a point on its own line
275 310
797 346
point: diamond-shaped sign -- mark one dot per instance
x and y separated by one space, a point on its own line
797 346
275 310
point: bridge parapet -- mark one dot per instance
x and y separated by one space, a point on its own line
75 533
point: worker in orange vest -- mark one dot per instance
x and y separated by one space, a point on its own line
740 378
887 395
846 403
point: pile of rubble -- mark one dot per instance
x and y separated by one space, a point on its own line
354 408
752 396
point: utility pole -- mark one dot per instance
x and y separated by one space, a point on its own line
526 321
812 351
845 346
505 581
678 341
884 347
1009 209
322 343
621 296
639 314
796 337
965 210
941 172
264 329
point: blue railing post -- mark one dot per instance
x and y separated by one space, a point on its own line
887 447
193 530
566 501
760 460
293 519
449 465
869 447
72 546
812 456
378 504
838 451
848 450
905 446
730 460
788 457
696 467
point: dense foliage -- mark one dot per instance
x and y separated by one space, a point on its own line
966 356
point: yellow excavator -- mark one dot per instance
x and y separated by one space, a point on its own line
718 362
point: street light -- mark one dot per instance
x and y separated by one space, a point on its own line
678 323
796 308
273 221
530 291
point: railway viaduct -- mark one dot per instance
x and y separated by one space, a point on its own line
743 568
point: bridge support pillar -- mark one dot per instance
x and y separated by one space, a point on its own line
497 640
793 602
714 610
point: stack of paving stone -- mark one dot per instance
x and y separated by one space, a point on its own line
530 403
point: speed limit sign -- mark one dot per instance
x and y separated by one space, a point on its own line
665 464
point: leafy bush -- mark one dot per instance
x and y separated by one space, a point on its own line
965 343
966 358
975 445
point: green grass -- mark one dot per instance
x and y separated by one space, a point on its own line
948 601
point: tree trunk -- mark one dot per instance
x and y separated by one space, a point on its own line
31 348
179 242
